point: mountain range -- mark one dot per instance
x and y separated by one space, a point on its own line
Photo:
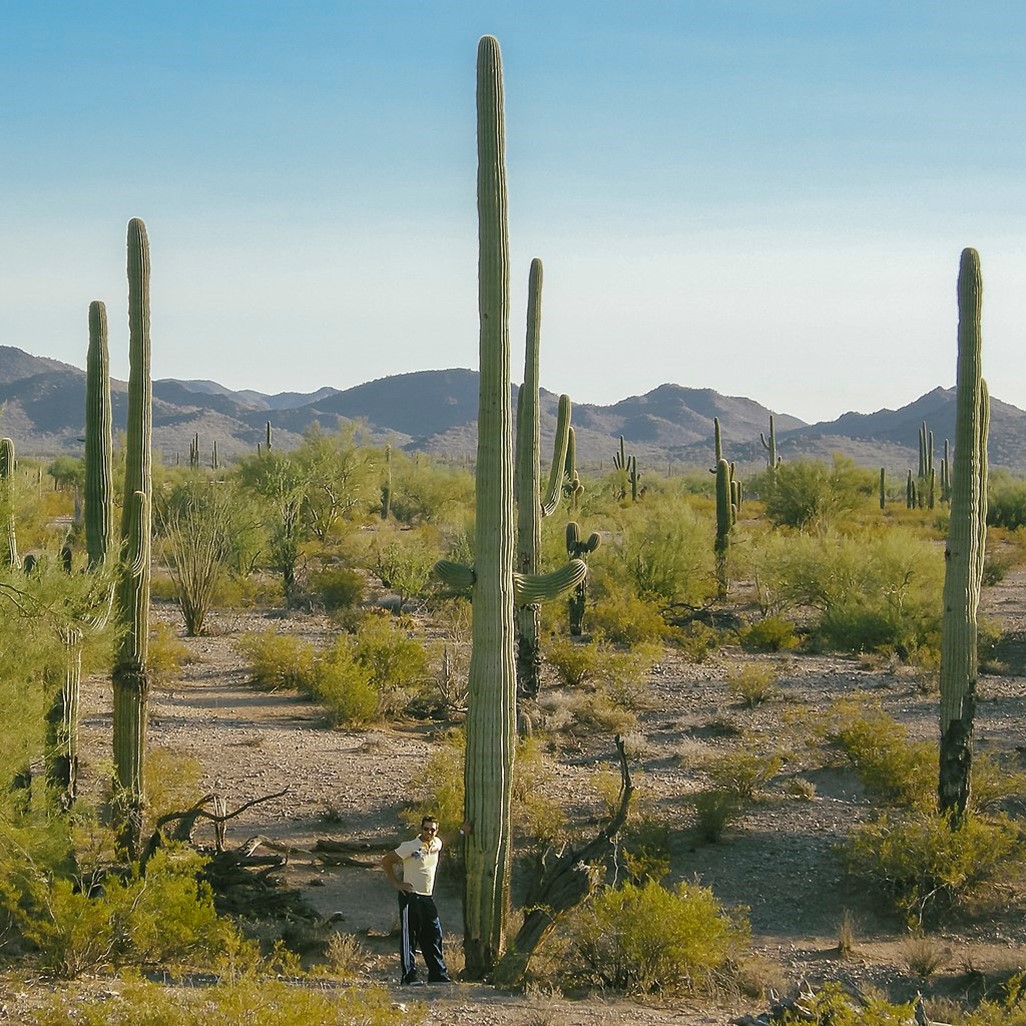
42 404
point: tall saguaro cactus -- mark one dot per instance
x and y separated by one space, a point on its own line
531 508
131 683
491 733
772 459
964 551
99 483
9 549
725 514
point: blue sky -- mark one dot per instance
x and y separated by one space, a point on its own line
764 198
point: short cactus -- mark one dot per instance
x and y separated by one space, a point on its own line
9 552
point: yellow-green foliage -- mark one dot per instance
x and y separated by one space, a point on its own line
619 614
770 634
917 859
835 1006
744 772
278 661
872 592
646 938
664 550
166 654
753 684
344 685
165 917
247 999
892 767
808 493
715 810
392 656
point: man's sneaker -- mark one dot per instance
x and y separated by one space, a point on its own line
411 981
440 979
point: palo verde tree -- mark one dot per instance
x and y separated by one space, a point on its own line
964 552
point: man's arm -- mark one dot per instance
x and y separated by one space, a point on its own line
388 864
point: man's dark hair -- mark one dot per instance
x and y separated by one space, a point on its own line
428 819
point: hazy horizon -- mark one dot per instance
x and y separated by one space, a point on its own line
765 200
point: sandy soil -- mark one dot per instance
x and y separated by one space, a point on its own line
778 860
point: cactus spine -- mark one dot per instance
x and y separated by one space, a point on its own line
99 460
964 551
131 683
10 548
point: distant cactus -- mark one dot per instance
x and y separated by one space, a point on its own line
9 552
770 445
964 551
576 548
725 517
883 488
99 459
386 487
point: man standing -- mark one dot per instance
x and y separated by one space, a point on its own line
418 917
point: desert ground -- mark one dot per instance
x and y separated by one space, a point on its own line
777 859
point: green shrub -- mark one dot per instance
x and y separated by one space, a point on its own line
919 860
645 847
744 772
166 916
166 654
714 811
892 768
338 588
753 684
573 662
808 493
770 634
643 938
624 618
1006 504
248 998
696 641
344 686
392 657
278 661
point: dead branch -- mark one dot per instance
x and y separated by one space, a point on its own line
564 884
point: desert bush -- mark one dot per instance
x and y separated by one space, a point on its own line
345 687
664 550
642 938
695 642
744 772
337 588
892 768
278 661
923 954
406 566
1006 503
346 957
573 662
645 848
165 916
752 684
393 658
714 811
920 861
623 617
165 655
770 634
808 493
196 524
872 592
248 998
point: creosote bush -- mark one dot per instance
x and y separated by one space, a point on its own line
743 773
753 684
919 862
770 634
643 938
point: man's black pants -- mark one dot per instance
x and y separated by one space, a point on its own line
420 927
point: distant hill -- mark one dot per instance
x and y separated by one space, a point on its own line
42 409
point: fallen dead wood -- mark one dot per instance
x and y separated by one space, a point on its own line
564 884
361 854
